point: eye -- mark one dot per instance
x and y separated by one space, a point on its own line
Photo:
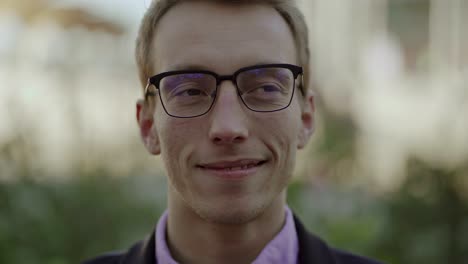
266 88
191 89
269 88
189 92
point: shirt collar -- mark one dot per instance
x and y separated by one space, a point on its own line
283 248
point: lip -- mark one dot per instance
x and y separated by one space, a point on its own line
233 170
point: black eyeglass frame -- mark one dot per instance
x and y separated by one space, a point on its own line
156 79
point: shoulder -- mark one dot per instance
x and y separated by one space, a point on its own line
109 258
142 252
314 250
311 250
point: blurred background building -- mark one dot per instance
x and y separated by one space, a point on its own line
399 70
68 88
391 78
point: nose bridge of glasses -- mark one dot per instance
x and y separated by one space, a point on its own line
223 78
227 104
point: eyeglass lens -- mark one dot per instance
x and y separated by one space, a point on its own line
192 94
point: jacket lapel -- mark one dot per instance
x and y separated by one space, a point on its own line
312 250
143 252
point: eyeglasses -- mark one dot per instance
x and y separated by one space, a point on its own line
192 93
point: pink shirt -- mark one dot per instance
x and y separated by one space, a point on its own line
282 249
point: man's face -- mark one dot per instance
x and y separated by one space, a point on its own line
230 164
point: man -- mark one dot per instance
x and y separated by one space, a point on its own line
226 105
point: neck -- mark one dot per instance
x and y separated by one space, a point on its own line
192 239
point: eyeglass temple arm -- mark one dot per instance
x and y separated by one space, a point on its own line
301 84
147 91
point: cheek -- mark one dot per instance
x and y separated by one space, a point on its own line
280 130
173 146
279 134
177 139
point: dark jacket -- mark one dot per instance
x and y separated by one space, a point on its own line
312 250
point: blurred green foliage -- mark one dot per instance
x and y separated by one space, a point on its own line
64 222
427 220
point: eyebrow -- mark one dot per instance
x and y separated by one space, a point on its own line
183 67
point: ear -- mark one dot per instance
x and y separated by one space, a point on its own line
148 132
307 120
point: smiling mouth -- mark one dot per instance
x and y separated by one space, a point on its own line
233 166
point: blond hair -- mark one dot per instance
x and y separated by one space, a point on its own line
286 8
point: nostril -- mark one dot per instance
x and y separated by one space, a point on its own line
228 131
239 139
228 138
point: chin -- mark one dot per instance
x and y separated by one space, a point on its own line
233 213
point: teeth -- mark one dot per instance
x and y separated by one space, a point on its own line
241 167
244 167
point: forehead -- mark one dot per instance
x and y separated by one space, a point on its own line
221 37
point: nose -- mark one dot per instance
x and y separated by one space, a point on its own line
228 120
